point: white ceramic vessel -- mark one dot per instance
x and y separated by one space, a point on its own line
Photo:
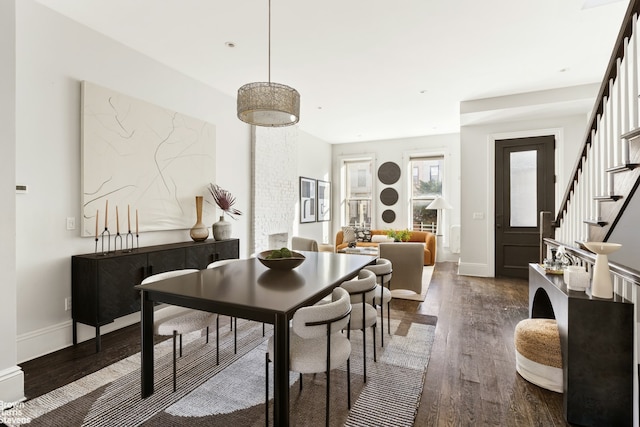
601 284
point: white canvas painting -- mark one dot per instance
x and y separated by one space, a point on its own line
145 158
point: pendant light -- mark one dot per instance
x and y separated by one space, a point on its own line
268 103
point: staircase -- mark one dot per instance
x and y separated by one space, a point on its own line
607 172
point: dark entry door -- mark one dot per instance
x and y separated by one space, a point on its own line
524 186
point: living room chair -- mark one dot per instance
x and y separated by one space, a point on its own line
407 261
363 314
317 344
176 320
383 271
303 244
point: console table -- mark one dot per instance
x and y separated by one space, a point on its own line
596 338
102 286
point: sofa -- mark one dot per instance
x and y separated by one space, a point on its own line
429 240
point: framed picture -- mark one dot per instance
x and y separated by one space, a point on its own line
324 201
307 200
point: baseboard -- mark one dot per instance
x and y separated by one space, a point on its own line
11 387
56 337
473 269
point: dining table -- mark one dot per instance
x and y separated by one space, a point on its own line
249 290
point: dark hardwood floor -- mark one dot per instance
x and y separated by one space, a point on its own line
471 378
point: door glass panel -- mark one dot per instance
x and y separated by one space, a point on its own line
524 201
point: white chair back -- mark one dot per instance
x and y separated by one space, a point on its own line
167 275
338 307
222 262
366 282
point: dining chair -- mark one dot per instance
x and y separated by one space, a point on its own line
175 320
363 314
383 270
317 344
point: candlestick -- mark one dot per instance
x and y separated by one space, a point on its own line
129 218
97 212
106 215
117 221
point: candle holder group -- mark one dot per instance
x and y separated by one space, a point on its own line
105 236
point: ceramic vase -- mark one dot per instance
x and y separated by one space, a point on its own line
199 232
601 284
222 229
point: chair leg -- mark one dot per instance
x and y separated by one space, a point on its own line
174 360
263 329
266 390
364 351
382 320
349 383
180 345
374 342
207 335
218 339
300 381
388 317
327 400
235 335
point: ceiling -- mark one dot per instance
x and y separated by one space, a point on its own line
370 69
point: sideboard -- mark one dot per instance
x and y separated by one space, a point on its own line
102 286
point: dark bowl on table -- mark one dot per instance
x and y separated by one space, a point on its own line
281 263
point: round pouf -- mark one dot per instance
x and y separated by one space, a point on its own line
538 354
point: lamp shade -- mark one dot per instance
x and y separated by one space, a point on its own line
439 203
268 104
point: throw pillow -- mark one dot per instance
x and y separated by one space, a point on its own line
348 234
380 238
363 234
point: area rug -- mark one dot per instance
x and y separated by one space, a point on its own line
233 392
427 272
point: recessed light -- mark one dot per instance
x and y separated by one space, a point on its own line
230 44
564 70
424 91
319 108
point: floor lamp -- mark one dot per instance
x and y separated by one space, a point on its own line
439 203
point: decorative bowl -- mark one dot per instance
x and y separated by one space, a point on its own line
281 263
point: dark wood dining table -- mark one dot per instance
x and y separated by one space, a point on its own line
248 290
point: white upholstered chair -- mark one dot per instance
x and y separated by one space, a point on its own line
383 271
175 320
317 344
304 244
363 314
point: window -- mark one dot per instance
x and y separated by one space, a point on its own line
359 192
426 185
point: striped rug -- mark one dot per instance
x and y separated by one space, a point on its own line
232 393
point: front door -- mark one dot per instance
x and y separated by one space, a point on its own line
524 186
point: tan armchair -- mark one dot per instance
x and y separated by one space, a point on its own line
406 261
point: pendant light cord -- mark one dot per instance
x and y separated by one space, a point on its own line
269 52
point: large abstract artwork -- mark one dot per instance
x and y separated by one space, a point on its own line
142 158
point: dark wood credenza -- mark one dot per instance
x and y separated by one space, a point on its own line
596 338
102 286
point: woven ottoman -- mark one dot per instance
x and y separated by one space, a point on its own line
538 354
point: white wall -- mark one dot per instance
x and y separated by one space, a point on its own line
54 55
399 151
477 145
314 161
11 377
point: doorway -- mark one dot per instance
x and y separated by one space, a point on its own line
524 186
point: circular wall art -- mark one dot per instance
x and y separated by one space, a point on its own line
389 196
389 173
388 216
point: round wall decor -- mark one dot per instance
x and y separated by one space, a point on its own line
388 216
389 196
389 173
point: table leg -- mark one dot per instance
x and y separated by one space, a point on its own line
146 328
281 371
